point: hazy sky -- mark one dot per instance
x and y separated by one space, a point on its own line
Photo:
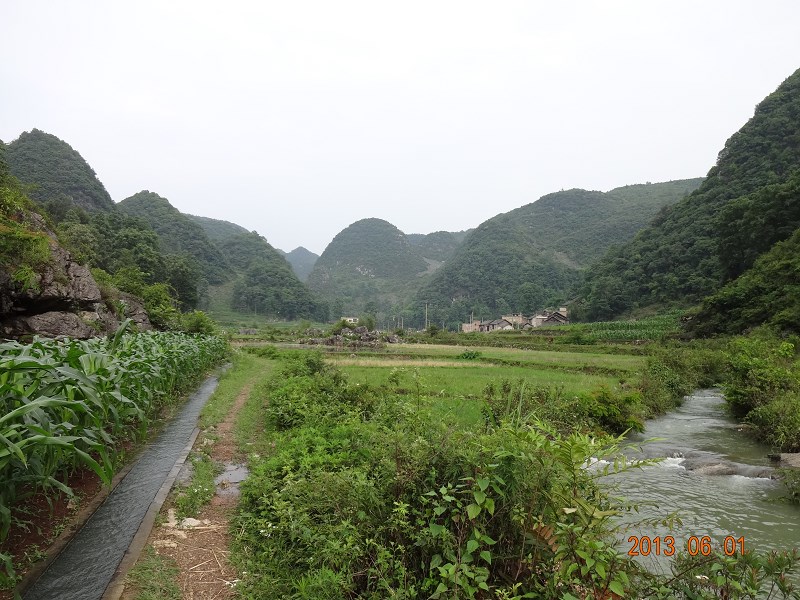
297 118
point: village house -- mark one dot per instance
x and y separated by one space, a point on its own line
518 321
475 325
496 325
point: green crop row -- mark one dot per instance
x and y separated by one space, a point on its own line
68 404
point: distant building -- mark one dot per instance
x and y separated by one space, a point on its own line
351 320
475 325
496 325
556 319
518 321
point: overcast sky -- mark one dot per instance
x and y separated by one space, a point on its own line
297 118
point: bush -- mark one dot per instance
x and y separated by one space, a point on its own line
778 422
759 368
197 321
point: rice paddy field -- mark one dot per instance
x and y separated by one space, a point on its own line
452 380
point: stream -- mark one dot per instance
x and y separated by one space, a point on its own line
714 475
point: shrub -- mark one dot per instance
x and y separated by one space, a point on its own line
197 321
759 369
778 421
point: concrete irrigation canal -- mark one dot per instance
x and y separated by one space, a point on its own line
86 566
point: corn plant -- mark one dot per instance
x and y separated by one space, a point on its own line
67 404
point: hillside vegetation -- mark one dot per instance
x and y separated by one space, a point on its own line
747 203
216 229
58 176
302 262
530 257
265 282
368 266
178 233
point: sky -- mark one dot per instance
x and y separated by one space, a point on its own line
297 118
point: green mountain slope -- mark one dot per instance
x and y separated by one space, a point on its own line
178 234
690 249
768 293
528 258
216 229
368 267
437 247
266 284
59 175
302 262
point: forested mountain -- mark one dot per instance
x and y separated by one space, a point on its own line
747 203
59 176
216 229
263 282
177 233
302 262
767 293
438 246
266 283
371 266
528 258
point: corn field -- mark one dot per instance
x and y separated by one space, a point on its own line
68 404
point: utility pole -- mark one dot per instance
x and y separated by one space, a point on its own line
426 315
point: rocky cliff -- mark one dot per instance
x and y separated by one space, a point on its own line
62 299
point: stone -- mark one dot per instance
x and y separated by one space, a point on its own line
50 324
134 310
63 283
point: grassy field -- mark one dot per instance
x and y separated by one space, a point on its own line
513 356
468 380
454 388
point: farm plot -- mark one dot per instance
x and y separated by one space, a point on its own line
69 404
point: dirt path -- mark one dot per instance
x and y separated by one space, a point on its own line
200 546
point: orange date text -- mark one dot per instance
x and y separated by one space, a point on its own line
644 545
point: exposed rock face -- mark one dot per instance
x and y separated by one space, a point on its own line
55 324
64 300
63 283
134 310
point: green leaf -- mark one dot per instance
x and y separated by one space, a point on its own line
472 545
483 484
616 587
487 556
480 497
489 505
473 510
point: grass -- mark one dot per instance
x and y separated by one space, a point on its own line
452 388
200 490
489 354
155 577
246 369
248 430
456 382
